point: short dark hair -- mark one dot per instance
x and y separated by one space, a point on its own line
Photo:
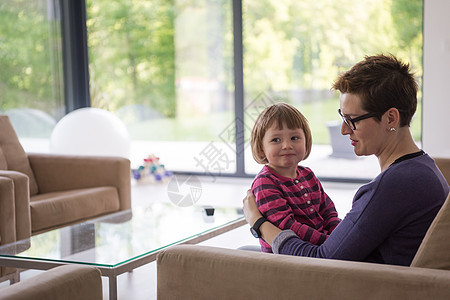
382 82
280 113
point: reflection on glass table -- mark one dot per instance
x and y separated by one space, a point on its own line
123 241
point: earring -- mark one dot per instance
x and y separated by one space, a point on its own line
392 129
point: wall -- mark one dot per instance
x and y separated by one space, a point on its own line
436 79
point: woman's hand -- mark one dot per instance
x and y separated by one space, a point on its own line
251 211
252 214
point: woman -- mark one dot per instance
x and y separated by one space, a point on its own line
391 214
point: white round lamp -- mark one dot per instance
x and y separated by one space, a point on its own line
90 131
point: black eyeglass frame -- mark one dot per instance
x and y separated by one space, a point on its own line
350 122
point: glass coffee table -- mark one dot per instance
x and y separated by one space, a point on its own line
123 241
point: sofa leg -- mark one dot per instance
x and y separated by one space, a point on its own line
12 277
15 277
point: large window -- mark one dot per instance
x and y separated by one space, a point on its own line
189 77
31 82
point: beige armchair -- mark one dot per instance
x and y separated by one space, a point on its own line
39 192
200 272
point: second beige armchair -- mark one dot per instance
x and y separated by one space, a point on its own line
39 192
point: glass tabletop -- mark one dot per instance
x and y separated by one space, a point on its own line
117 238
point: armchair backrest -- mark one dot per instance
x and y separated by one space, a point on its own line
444 165
12 155
434 252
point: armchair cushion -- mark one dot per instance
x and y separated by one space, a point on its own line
71 206
55 173
12 155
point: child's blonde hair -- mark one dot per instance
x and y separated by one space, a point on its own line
281 113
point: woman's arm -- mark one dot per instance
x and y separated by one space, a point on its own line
346 242
286 241
251 212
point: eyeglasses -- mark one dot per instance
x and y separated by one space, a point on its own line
351 122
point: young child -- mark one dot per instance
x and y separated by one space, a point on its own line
288 195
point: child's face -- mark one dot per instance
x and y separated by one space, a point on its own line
284 149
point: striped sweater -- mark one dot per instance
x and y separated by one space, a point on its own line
299 204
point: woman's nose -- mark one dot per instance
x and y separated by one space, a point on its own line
345 129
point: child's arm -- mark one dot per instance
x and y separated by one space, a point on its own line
277 210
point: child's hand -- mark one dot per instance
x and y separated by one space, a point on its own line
251 211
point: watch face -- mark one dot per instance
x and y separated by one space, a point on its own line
253 231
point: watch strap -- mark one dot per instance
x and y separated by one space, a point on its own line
257 225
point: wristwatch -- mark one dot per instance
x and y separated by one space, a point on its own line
255 228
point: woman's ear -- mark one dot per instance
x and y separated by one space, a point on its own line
392 117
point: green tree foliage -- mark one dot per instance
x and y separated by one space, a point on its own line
294 44
407 18
132 54
408 24
30 60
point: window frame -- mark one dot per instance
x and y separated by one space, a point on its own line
76 76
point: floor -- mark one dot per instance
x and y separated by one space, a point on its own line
141 283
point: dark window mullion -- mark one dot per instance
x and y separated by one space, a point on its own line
75 54
238 87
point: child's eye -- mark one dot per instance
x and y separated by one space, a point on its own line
276 140
294 138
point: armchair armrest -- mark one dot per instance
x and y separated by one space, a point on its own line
21 203
68 282
63 172
7 211
8 231
200 272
